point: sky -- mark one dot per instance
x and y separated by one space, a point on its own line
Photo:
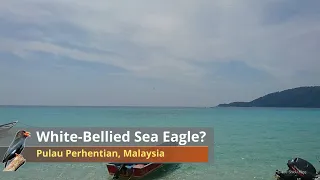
155 53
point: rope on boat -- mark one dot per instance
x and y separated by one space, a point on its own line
131 174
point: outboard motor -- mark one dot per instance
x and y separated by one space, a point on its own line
298 169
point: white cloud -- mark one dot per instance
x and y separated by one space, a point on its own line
166 39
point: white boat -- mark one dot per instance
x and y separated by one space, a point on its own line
6 127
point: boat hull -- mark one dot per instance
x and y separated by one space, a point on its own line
136 172
6 127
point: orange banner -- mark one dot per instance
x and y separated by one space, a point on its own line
157 154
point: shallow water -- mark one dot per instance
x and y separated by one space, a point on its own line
249 143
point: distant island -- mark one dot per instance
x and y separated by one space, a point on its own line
301 97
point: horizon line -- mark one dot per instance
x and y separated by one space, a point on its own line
4 105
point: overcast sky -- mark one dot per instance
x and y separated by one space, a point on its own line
155 53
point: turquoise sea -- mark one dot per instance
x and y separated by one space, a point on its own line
249 143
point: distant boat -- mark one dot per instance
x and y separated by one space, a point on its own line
7 127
